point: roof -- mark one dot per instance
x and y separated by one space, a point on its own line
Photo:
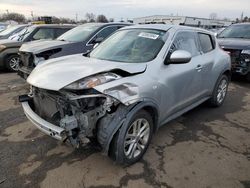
245 23
105 24
52 26
165 27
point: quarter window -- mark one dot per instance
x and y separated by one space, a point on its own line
206 42
185 41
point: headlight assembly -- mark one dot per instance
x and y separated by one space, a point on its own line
92 81
2 47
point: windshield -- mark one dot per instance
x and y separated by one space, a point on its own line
9 30
78 34
23 34
131 46
236 31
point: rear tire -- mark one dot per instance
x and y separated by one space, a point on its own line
12 62
132 139
220 91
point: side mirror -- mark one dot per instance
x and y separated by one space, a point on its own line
98 40
96 44
179 57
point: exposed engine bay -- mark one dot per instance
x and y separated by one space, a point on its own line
76 112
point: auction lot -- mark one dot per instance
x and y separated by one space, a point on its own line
206 147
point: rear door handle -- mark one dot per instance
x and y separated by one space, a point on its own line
198 68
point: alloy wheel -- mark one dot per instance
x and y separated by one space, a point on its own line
14 63
137 138
222 91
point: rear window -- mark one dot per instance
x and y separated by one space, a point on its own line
206 42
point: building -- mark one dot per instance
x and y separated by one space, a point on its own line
183 20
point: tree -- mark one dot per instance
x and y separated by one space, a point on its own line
56 20
213 16
101 18
111 19
245 19
90 17
20 18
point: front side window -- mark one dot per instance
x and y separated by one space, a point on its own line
185 41
60 31
206 42
44 33
236 31
131 46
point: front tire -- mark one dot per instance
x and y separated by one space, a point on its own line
220 91
132 140
12 62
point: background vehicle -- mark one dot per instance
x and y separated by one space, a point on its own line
9 57
236 41
78 40
11 31
135 81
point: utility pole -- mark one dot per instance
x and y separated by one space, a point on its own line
76 17
242 16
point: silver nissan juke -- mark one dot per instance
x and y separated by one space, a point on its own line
135 81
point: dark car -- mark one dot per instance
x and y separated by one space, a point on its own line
236 41
11 31
78 40
9 57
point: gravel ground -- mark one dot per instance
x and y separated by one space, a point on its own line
206 147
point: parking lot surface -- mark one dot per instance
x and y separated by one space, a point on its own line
206 147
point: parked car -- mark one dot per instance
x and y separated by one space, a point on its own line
9 57
135 81
78 40
236 41
11 30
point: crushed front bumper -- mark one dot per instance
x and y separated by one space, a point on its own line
46 127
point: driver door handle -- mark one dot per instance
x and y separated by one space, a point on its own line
198 68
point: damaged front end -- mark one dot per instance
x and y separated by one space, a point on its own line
67 115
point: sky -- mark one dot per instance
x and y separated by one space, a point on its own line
127 9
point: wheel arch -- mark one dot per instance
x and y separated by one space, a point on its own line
115 124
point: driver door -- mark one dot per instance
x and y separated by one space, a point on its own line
182 81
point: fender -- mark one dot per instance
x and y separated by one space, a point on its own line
111 123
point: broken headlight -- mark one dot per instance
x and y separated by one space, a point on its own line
92 81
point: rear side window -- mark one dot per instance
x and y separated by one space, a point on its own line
44 33
206 42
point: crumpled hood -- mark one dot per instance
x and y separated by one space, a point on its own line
57 73
239 44
42 45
